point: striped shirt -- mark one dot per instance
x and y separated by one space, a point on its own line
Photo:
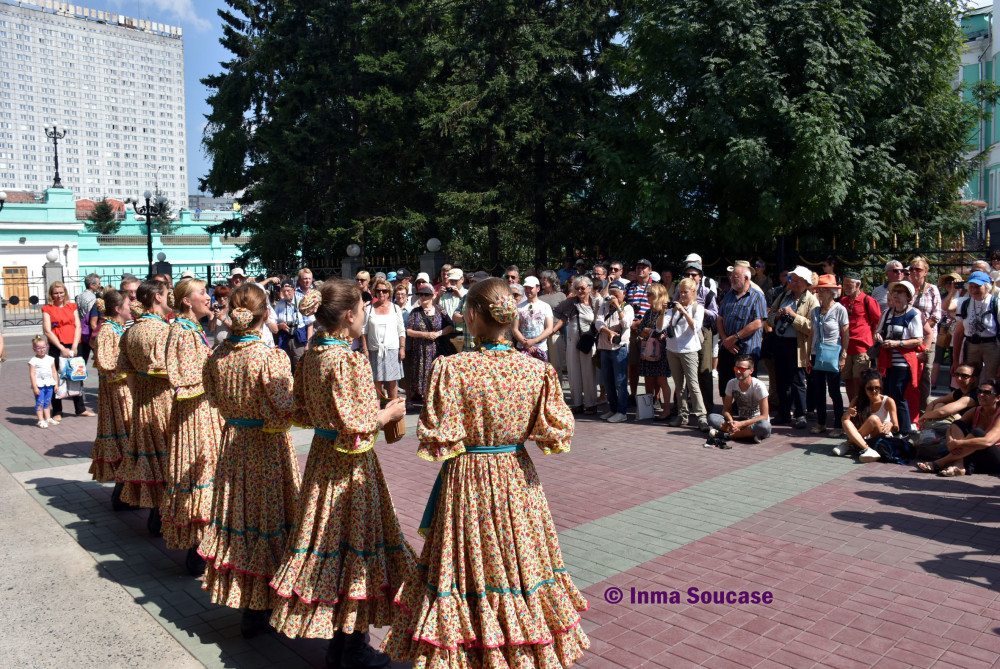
736 312
635 295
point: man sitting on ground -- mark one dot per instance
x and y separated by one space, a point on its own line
955 403
751 420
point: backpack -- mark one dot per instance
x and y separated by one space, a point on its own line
652 350
893 449
993 308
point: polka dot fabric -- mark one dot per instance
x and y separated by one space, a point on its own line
491 588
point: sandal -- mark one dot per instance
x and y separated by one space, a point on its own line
951 471
87 414
929 467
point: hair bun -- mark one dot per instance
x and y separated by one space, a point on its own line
136 308
100 306
170 299
309 304
241 318
504 309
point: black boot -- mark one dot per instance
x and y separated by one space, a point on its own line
154 523
255 622
195 563
116 499
334 650
359 655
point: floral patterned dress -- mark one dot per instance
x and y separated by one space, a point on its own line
347 556
114 404
424 350
195 433
257 476
144 464
490 588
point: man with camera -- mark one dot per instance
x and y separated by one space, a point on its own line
294 331
450 297
613 325
705 297
790 316
975 338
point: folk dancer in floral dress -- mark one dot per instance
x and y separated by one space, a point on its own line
195 427
114 396
257 475
143 469
347 555
490 588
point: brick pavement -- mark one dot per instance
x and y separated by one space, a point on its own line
869 565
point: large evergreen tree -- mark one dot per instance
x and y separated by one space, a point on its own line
102 219
760 118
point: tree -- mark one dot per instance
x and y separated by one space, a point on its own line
754 119
164 222
103 219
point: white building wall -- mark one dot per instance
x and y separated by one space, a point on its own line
119 91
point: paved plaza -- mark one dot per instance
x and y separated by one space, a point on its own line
863 565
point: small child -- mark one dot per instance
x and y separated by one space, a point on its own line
42 370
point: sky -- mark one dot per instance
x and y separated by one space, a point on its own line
202 55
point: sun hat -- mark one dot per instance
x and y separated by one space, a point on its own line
237 271
803 273
907 285
422 276
955 276
826 281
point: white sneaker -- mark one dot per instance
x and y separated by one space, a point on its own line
606 415
842 449
53 421
715 373
712 433
618 418
42 424
869 455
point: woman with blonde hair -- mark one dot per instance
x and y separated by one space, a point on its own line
61 326
195 426
257 476
490 588
681 324
653 364
383 338
143 470
114 396
347 555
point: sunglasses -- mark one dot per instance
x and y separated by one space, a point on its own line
381 290
741 369
873 389
360 280
692 275
512 276
580 288
896 271
616 269
963 376
987 392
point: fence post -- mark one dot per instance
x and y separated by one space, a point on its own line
53 270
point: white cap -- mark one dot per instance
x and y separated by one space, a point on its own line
424 276
455 274
655 277
238 271
693 257
531 281
803 273
187 274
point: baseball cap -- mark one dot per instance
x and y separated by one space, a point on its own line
480 276
426 289
692 257
391 276
654 277
455 274
403 273
237 271
695 266
580 262
422 276
187 274
979 278
288 282
616 285
380 275
643 261
531 281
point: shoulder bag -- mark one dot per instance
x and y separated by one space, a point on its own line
827 355
585 344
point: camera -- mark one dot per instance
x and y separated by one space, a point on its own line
787 319
449 289
959 285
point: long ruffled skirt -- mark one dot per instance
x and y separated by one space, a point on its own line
253 508
114 419
195 432
144 463
490 589
347 556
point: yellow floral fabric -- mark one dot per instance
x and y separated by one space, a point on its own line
490 588
347 555
143 469
257 477
195 433
114 405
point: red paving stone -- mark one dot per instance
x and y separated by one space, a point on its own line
880 567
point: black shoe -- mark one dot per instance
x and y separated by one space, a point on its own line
116 500
195 563
255 622
800 423
335 650
358 654
154 523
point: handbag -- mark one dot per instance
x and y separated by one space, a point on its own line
394 430
644 407
652 349
827 357
75 369
585 344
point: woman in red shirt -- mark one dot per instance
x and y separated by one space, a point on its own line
61 325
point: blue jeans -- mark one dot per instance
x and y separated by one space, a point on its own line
44 399
614 365
897 380
761 429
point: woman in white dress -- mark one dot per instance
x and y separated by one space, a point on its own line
383 338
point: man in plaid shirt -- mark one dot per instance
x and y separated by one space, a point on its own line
926 300
635 296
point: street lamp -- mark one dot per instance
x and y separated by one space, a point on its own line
55 136
149 211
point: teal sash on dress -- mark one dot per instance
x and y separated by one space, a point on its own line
331 341
428 518
326 434
236 339
245 422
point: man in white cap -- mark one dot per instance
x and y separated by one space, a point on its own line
237 277
534 321
187 274
790 315
893 272
449 297
706 281
976 328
